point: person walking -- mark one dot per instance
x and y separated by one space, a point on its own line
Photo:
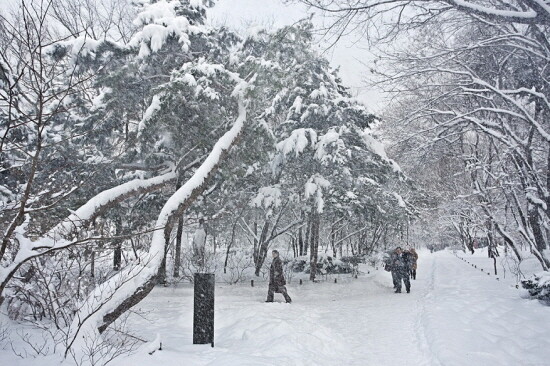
277 279
388 266
400 265
414 264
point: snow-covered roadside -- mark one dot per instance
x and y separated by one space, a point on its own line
508 269
455 315
475 320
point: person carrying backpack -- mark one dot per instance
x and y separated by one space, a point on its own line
401 265
388 267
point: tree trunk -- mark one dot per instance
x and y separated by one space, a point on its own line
117 257
534 222
314 245
262 249
308 233
333 240
230 244
301 238
92 265
177 257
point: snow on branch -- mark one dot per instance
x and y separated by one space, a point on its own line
267 197
118 294
95 205
56 238
377 148
469 6
297 141
160 21
314 188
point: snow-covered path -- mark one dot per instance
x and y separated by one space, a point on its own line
455 315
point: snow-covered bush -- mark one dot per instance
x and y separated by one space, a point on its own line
189 265
238 264
51 288
325 265
538 286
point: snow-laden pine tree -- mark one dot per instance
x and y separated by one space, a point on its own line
325 160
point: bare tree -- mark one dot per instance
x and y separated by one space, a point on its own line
466 76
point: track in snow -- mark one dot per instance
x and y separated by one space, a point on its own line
453 316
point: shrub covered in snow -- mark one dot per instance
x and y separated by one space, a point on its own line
538 286
326 264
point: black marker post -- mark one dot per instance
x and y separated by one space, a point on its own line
203 319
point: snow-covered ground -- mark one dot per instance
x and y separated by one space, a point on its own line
454 315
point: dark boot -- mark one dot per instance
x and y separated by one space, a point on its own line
282 289
270 294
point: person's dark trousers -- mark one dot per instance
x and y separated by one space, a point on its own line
281 289
413 274
396 275
395 279
405 277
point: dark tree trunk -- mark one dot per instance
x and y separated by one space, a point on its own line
177 256
117 258
314 245
333 240
179 232
308 233
535 224
262 248
230 244
301 238
255 256
92 265
136 297
161 276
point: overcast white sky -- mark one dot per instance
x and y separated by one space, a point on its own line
347 54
